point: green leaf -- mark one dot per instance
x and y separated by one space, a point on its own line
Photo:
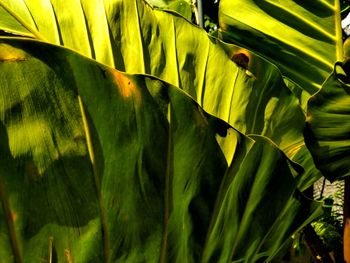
254 238
302 38
102 166
301 155
327 133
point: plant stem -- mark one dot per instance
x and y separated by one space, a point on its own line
323 185
195 11
198 12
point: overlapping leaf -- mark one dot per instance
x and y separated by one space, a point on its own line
302 38
327 133
128 171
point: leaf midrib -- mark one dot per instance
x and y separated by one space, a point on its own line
105 238
338 32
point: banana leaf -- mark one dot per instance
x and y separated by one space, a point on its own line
102 166
303 38
327 133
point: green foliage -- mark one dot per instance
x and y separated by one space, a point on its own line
329 228
210 25
131 166
330 232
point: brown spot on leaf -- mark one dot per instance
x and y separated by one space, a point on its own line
126 86
241 58
14 216
68 256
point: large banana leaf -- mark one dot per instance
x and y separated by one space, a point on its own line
328 118
303 38
102 166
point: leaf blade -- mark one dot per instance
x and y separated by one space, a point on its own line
303 36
